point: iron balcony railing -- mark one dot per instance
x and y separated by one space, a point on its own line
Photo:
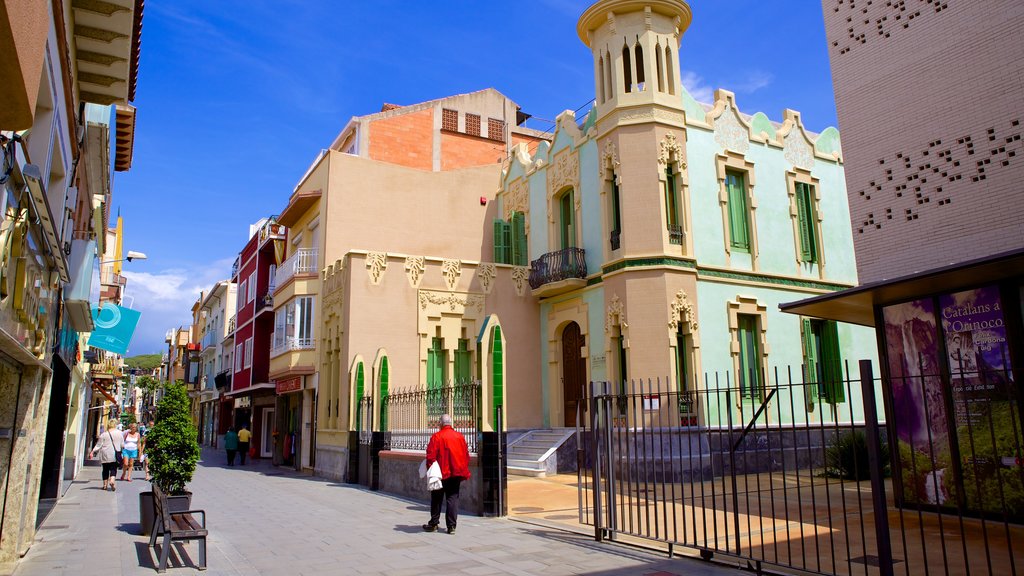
410 417
676 235
302 261
231 325
291 343
565 264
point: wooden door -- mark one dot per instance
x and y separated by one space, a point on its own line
574 371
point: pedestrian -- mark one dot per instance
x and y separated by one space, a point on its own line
143 458
231 445
243 442
448 448
130 451
107 445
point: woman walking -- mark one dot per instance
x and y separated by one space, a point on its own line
107 445
231 445
131 451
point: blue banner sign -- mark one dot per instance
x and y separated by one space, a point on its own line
115 326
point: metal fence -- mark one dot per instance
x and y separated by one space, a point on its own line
779 479
411 416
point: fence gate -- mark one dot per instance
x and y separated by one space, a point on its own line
368 457
783 475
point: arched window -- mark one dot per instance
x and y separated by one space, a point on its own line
382 382
639 50
608 73
671 80
627 69
600 74
660 69
359 389
497 374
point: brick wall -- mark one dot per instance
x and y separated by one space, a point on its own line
462 151
929 99
404 139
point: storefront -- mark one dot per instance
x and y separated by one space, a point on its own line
293 422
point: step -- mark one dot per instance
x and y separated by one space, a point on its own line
518 463
517 471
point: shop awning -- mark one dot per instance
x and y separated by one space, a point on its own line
103 391
857 305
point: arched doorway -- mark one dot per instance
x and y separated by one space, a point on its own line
574 371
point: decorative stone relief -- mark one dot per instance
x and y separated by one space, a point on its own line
518 200
797 150
668 148
452 270
376 265
615 312
414 266
564 171
609 157
611 22
519 276
452 301
681 309
486 272
730 133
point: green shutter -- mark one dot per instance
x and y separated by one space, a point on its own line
435 364
519 246
568 230
383 394
671 201
616 207
739 232
811 362
462 368
834 387
503 247
750 373
805 217
497 372
359 395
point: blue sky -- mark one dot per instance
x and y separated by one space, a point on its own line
236 98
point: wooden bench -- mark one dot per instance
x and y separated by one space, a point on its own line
174 526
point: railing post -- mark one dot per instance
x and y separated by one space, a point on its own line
596 410
875 464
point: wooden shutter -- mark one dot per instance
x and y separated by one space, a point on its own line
738 223
462 372
805 218
497 372
383 393
671 203
519 246
811 363
832 365
501 242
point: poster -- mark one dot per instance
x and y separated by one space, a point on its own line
918 403
983 394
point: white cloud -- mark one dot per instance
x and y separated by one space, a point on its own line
754 81
165 300
695 85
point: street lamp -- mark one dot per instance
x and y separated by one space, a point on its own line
132 255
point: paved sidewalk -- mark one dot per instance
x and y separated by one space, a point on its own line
265 520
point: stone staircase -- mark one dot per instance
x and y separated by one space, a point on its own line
534 453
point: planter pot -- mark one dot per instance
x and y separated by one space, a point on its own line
147 510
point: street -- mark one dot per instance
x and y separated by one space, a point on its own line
267 520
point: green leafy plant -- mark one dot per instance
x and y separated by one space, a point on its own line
847 457
172 443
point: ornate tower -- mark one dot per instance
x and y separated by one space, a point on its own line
636 52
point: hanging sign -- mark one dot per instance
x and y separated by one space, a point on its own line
115 326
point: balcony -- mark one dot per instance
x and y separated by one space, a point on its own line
231 325
676 235
558 272
209 340
291 343
169 335
302 261
265 303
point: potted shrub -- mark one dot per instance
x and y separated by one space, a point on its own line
172 448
